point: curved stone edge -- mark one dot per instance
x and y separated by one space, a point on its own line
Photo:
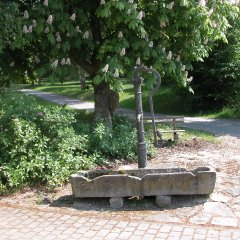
199 181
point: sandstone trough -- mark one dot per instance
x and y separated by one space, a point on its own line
162 183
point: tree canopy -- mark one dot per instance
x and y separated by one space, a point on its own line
108 38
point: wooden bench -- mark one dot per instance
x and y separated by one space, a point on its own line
158 133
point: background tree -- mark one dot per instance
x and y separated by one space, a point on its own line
107 38
217 79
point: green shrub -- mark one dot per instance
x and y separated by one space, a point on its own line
45 144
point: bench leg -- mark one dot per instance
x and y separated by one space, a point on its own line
160 141
176 137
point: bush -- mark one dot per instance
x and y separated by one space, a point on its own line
45 143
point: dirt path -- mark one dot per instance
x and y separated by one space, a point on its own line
215 126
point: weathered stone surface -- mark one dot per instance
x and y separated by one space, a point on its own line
143 182
163 201
200 218
218 209
116 203
219 197
164 217
225 221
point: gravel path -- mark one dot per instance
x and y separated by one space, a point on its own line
215 126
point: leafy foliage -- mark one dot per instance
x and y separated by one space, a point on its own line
217 79
113 35
46 144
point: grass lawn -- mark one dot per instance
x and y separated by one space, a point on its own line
165 100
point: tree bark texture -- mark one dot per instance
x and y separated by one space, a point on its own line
106 101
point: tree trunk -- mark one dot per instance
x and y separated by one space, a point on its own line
81 78
106 102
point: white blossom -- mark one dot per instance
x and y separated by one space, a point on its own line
163 49
169 56
140 15
178 58
170 5
210 12
202 3
116 73
25 29
68 61
36 59
123 52
206 41
12 64
55 64
63 62
213 24
129 11
102 2
105 69
135 6
34 23
130 1
25 14
73 17
150 44
46 30
234 2
45 2
190 79
77 29
162 24
30 29
120 35
58 37
50 20
86 35
138 62
183 67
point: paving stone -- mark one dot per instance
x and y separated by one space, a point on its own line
225 221
199 237
236 235
143 226
135 238
188 231
218 208
219 197
125 235
85 229
111 236
139 233
164 217
148 237
235 191
200 218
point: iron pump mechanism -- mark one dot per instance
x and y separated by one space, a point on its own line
137 82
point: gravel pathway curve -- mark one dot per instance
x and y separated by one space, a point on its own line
218 127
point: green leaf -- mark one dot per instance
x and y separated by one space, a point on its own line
51 38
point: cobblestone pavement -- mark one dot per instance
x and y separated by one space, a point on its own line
16 223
